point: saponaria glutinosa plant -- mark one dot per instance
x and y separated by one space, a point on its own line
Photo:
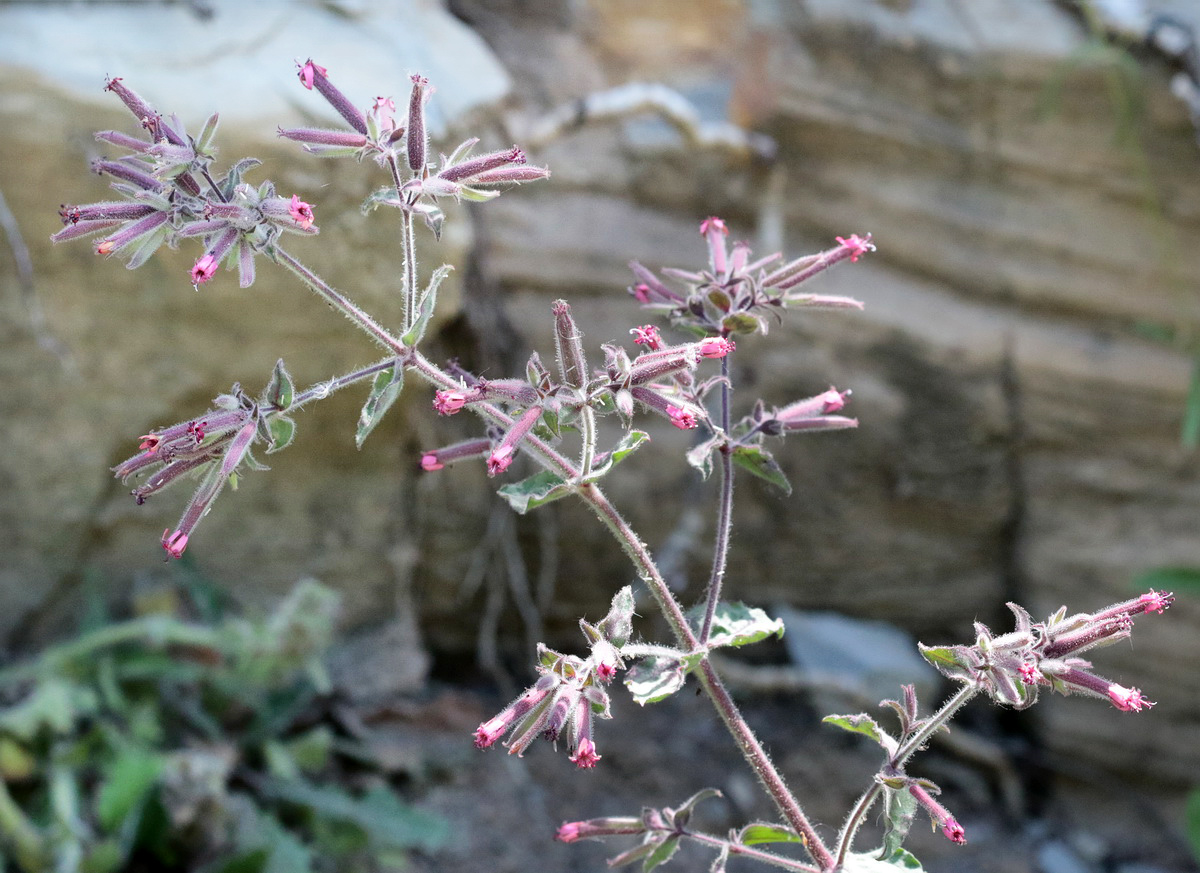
171 192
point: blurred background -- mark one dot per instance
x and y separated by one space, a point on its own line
1023 374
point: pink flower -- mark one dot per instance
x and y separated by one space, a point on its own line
585 756
646 335
204 270
681 418
569 832
1156 601
105 247
308 71
641 292
150 442
174 543
857 245
196 430
500 460
301 212
490 731
1128 699
606 671
715 347
954 831
714 225
1029 673
430 462
385 111
449 402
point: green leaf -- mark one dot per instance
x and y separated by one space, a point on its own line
385 196
280 390
684 812
760 832
742 323
629 443
761 463
476 195
654 678
662 853
700 456
1170 579
946 659
204 142
541 488
426 306
870 862
735 624
384 391
283 431
129 780
860 724
899 808
617 626
1191 818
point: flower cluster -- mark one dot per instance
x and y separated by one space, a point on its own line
569 692
735 295
1012 667
171 194
375 134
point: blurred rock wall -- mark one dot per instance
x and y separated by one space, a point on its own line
1020 428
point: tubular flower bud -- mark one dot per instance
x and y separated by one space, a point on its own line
571 831
467 170
313 76
417 137
940 815
569 346
714 230
533 697
502 456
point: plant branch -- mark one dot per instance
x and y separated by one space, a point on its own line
720 559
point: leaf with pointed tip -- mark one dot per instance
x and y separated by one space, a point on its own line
280 390
743 323
700 456
899 807
148 246
539 489
662 852
283 431
476 196
760 832
617 626
384 391
204 142
684 812
654 678
385 196
426 306
761 463
735 624
865 725
628 444
947 659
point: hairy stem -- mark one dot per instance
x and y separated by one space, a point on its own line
408 240
724 515
755 755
